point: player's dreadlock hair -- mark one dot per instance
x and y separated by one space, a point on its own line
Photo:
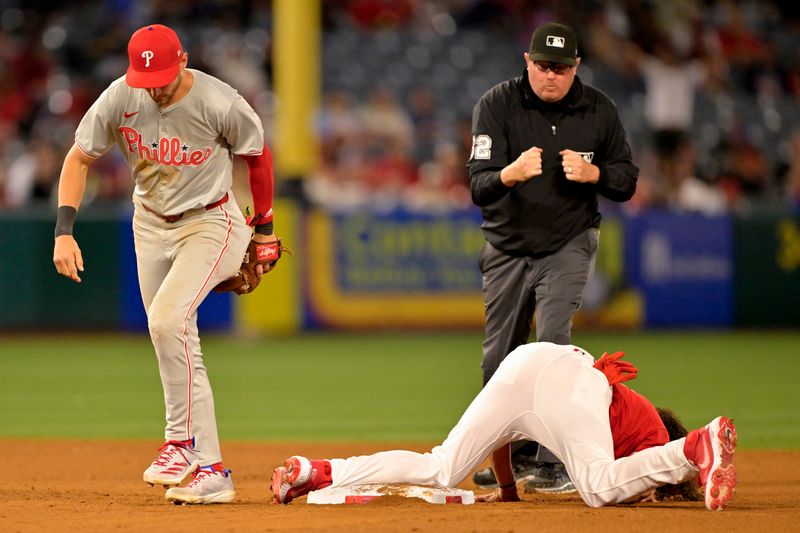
688 490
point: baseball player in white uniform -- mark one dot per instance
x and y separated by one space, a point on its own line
178 129
611 439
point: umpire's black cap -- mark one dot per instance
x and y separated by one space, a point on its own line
554 42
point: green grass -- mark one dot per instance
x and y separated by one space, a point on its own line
374 387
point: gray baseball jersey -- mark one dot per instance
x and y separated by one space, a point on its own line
181 159
180 156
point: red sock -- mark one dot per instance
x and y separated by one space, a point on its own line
217 467
689 446
184 443
324 470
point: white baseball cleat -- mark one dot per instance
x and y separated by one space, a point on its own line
208 486
176 461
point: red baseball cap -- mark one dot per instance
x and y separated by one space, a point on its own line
154 53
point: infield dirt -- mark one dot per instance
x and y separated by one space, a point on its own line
69 485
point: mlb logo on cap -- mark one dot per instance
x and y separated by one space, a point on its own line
554 42
154 53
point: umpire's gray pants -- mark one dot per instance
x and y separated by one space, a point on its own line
514 288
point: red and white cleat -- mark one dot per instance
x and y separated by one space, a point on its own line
175 462
298 476
711 450
211 484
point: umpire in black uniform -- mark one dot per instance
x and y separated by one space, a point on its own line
544 146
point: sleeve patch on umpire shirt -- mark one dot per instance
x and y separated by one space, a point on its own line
481 147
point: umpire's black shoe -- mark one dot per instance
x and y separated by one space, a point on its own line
553 480
545 475
523 467
485 478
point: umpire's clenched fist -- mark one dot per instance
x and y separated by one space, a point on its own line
576 168
526 166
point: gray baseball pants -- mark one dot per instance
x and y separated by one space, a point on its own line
517 288
179 263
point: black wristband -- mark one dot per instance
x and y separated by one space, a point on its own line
503 487
65 220
265 229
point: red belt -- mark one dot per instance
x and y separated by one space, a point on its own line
175 218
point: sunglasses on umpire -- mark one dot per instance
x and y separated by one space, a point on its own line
555 68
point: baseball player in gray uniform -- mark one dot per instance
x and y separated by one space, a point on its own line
178 129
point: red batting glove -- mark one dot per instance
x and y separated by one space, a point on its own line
616 371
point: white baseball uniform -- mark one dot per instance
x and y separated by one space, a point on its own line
542 392
181 158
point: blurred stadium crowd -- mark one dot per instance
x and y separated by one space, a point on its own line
708 91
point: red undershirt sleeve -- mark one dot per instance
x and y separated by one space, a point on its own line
262 185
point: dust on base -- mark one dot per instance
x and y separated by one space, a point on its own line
368 493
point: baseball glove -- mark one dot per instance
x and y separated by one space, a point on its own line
247 279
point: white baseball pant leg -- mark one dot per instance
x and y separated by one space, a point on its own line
570 403
520 402
179 263
488 423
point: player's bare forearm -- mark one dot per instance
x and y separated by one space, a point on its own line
507 491
501 462
67 256
72 182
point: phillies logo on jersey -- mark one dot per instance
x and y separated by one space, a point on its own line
167 151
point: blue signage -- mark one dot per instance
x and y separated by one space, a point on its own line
215 313
683 266
402 251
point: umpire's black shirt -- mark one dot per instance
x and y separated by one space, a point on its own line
537 217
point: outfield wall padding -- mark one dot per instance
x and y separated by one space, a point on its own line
400 269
